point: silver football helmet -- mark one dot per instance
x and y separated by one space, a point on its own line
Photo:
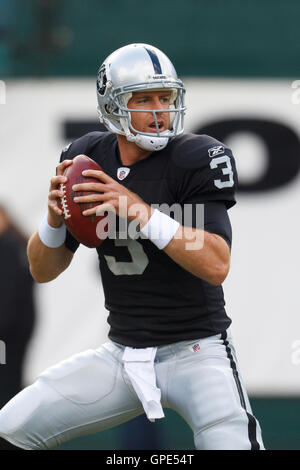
139 67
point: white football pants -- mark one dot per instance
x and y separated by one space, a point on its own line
91 392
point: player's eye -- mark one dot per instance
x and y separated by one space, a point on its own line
143 100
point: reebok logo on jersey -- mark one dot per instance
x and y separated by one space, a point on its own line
122 173
212 152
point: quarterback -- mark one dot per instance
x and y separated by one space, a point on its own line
169 343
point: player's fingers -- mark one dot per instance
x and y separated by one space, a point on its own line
99 210
92 186
56 180
54 208
95 197
55 194
98 174
62 166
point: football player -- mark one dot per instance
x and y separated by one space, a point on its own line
169 342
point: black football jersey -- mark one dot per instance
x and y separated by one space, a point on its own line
152 300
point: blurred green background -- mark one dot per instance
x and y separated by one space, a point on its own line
254 38
204 38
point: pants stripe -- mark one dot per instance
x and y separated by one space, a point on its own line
251 420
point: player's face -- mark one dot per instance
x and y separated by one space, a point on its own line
158 100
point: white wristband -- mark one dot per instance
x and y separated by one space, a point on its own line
160 229
50 236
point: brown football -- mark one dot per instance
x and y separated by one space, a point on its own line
83 228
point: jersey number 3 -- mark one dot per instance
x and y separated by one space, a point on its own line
139 259
227 171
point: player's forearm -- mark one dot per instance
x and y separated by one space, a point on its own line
203 254
46 263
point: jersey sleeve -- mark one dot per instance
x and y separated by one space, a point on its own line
206 183
208 171
216 220
83 145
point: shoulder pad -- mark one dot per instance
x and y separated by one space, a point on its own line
83 145
192 151
205 169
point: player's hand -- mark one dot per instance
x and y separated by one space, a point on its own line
112 195
55 218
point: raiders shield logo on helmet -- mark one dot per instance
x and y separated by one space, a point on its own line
101 80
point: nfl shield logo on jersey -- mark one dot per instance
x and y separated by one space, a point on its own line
122 172
195 347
